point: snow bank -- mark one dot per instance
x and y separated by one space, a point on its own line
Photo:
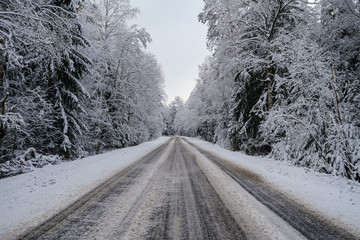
336 198
28 199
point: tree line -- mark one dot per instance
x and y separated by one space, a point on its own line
75 80
284 79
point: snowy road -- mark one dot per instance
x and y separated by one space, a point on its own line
180 191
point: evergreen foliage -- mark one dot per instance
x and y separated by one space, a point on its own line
74 81
290 71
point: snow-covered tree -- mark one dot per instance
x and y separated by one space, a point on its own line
295 74
123 80
205 112
170 115
244 36
52 102
42 71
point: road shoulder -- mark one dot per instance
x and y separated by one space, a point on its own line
27 200
334 198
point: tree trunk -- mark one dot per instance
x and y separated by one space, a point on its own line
3 127
269 92
2 61
336 102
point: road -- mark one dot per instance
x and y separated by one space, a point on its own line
180 191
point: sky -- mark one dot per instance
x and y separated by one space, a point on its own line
178 41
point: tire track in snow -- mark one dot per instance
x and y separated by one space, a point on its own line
84 214
192 208
164 195
307 223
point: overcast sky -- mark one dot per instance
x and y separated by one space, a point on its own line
179 40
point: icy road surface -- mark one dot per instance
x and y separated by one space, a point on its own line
180 191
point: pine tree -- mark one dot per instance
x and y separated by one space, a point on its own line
42 73
66 91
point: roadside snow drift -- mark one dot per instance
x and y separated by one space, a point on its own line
28 199
333 197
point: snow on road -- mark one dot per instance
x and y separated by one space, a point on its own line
334 197
28 199
254 218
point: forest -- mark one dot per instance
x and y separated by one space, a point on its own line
75 81
283 79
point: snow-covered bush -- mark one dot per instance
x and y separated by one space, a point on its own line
26 162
